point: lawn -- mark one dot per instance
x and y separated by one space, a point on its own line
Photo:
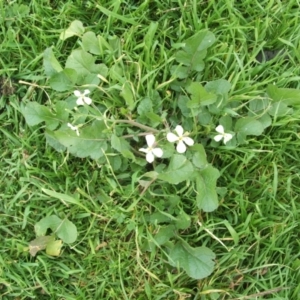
85 214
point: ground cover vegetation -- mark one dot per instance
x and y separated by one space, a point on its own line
149 150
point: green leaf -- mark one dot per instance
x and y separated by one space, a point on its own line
84 64
256 106
200 41
119 144
90 43
195 62
40 243
199 96
199 157
53 142
278 109
64 229
226 121
249 126
204 117
179 169
51 65
207 197
286 95
64 80
128 94
61 111
53 248
67 231
197 262
194 51
52 222
180 72
164 234
265 120
95 44
145 106
35 113
220 87
91 141
75 29
183 220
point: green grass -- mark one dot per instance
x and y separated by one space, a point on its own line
254 232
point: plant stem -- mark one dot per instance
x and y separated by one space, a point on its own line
136 124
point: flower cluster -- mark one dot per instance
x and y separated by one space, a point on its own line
182 139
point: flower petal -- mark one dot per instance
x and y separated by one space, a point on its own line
157 152
87 100
227 137
220 129
179 130
171 137
150 138
150 157
188 141
181 147
79 101
77 93
86 92
218 137
144 150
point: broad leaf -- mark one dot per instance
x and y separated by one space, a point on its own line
164 234
90 43
128 94
145 106
64 80
286 95
207 197
51 65
179 169
197 262
199 157
52 222
75 29
94 44
183 220
64 229
35 113
248 126
220 87
119 143
84 64
279 109
91 141
199 96
53 142
67 231
194 51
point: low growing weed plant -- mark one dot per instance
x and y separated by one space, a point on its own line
151 133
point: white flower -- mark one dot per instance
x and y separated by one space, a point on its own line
151 152
75 128
226 137
181 138
82 99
